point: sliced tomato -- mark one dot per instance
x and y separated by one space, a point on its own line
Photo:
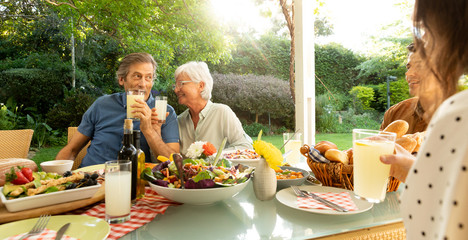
28 173
20 179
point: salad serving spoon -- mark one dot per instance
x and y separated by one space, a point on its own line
180 168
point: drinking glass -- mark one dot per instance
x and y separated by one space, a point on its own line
294 144
161 108
117 186
370 175
131 96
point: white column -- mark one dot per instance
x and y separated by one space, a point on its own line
305 69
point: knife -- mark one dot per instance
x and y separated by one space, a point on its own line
325 201
62 231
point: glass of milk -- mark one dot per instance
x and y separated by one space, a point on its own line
118 190
370 175
131 96
161 108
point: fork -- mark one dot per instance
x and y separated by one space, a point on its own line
38 227
303 193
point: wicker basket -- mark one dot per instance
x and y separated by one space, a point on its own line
340 175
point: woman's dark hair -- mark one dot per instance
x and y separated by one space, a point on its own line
446 24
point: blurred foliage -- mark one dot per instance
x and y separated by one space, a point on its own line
256 95
69 112
362 97
335 68
36 61
267 55
32 87
254 128
399 92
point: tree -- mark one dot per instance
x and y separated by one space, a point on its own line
321 28
164 28
267 55
288 12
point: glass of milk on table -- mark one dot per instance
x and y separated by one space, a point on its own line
117 186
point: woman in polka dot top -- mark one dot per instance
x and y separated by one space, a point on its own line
435 200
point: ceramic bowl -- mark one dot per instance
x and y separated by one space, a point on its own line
57 166
199 196
284 183
244 157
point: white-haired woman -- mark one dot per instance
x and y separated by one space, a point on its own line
205 120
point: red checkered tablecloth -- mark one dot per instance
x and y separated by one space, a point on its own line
47 234
342 199
142 212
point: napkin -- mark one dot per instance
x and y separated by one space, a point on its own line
342 199
141 213
47 234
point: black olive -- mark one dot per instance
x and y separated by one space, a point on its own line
86 175
67 174
94 176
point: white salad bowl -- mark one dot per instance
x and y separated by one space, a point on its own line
199 196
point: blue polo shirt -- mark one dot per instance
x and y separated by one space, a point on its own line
103 123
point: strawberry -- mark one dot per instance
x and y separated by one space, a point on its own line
16 178
28 173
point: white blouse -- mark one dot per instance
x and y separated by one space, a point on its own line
435 200
216 122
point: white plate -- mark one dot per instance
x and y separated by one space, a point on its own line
288 198
81 227
249 162
91 168
41 200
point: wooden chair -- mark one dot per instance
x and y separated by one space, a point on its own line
15 143
82 153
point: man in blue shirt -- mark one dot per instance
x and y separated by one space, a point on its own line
102 124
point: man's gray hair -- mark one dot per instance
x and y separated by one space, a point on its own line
198 72
132 58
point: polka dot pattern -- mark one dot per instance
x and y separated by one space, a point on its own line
436 204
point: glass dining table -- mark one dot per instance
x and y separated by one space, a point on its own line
245 217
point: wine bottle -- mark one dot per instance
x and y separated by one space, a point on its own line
129 152
140 191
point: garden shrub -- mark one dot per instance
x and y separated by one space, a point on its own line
254 128
362 97
398 92
257 95
69 112
366 120
32 88
336 67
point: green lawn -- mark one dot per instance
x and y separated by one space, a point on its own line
342 140
46 154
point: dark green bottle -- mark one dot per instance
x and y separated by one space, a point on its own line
129 152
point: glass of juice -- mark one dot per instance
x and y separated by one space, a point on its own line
131 96
117 189
161 108
294 144
370 175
